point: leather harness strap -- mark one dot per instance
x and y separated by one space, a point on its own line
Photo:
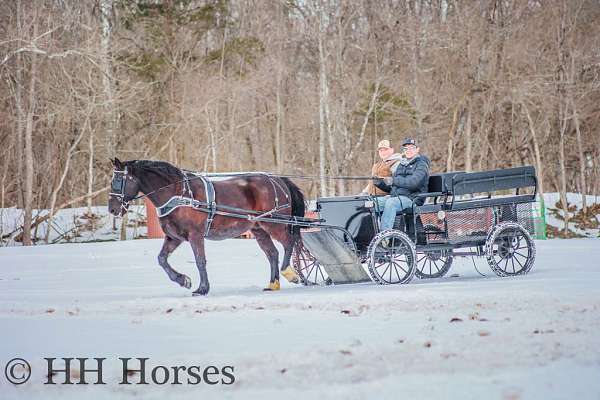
186 199
211 200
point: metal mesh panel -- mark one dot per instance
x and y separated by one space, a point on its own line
433 228
463 225
521 213
469 224
473 224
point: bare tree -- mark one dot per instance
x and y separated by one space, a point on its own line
303 87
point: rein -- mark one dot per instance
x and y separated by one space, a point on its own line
314 177
120 177
233 174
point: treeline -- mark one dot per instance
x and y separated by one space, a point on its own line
296 87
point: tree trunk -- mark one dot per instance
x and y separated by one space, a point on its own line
468 143
20 131
451 135
20 113
278 101
561 115
536 148
322 101
123 235
581 157
111 115
217 125
90 183
28 196
563 174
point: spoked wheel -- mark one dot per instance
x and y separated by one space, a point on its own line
433 264
509 249
307 267
391 258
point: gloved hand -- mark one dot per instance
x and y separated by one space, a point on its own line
388 180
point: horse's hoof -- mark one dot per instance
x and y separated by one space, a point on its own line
272 286
290 274
186 282
200 292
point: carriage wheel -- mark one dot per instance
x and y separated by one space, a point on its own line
391 258
509 249
307 267
432 264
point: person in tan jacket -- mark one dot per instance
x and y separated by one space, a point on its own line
382 168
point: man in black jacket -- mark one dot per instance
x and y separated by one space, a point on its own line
409 178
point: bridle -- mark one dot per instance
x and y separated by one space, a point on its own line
118 185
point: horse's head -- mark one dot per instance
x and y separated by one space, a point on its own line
124 187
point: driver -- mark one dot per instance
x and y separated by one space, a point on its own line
409 178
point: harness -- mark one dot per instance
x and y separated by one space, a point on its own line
186 198
210 206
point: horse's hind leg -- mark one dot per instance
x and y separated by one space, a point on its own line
197 242
286 268
169 246
266 244
287 239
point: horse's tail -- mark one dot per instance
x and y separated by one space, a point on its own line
298 205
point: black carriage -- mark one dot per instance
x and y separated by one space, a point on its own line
488 214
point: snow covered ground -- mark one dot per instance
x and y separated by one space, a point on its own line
530 337
73 225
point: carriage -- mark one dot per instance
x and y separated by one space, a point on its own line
482 214
488 214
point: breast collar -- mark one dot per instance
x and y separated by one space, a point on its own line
186 199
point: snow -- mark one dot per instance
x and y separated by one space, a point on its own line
72 225
575 199
529 337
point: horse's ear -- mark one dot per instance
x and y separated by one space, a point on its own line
117 163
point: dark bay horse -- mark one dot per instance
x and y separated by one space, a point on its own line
258 193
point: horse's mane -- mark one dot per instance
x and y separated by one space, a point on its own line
160 167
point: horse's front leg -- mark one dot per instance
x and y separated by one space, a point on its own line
197 243
169 246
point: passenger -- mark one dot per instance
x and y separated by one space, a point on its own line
409 178
383 168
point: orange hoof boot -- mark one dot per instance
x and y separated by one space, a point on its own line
290 274
272 286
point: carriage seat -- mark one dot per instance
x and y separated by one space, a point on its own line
438 185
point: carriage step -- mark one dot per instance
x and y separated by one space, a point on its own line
339 261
